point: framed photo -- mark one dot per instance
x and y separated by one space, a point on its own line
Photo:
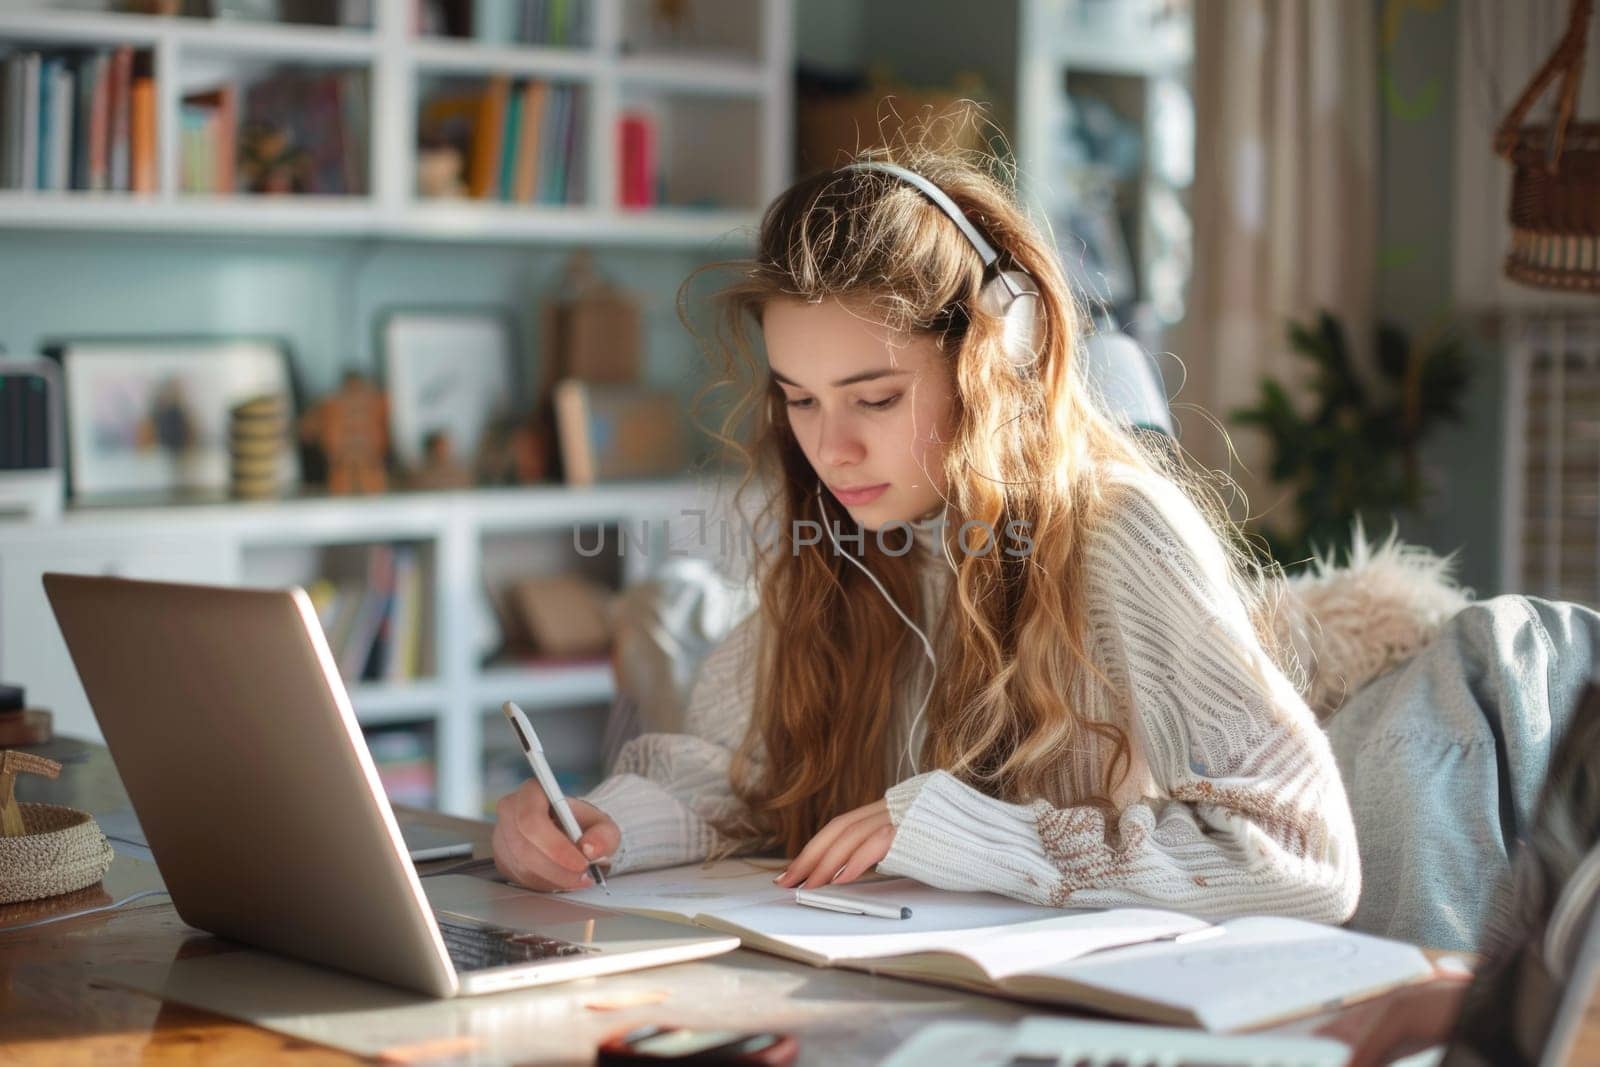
447 372
151 417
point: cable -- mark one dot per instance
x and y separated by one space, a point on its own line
86 911
927 646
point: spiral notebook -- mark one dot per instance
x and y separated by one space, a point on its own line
1141 963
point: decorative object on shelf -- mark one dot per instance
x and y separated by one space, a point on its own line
258 439
151 416
562 616
1356 455
30 450
1555 186
591 330
610 432
441 169
836 116
439 469
45 849
447 371
305 130
351 427
515 450
19 724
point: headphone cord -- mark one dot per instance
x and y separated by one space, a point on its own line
927 646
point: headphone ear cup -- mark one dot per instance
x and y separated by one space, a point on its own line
1012 296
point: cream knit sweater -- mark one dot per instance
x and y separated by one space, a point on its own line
1233 804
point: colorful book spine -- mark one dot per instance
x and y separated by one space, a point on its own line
142 136
505 182
487 137
637 151
99 132
527 169
121 178
28 169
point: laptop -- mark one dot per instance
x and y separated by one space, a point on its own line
235 739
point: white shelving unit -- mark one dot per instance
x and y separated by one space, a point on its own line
230 544
1124 58
395 61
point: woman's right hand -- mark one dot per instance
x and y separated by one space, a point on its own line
531 849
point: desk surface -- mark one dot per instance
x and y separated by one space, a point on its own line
53 1010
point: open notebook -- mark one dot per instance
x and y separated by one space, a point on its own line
1161 966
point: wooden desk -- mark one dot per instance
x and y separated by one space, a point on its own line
52 1009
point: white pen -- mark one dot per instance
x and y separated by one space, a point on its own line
816 898
547 781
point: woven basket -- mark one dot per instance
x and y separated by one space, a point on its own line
62 851
1555 184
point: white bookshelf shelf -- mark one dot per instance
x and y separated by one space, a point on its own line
381 703
398 66
247 544
446 56
546 687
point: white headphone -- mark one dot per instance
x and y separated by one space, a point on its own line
1012 294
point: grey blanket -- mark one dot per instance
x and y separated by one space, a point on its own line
1443 758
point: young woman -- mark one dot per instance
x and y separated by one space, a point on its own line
1021 660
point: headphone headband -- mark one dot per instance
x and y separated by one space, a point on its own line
984 249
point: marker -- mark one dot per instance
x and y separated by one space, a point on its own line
815 898
547 781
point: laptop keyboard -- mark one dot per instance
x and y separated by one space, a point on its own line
476 947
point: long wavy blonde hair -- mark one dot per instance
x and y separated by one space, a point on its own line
1018 692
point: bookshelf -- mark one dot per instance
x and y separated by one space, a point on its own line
1134 60
721 98
466 541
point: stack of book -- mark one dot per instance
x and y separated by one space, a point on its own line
560 23
374 626
24 421
79 120
526 144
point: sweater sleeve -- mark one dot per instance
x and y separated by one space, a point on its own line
1250 815
668 789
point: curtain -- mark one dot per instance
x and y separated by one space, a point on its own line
1285 209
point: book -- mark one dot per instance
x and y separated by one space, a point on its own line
142 135
506 179
487 137
98 133
215 113
526 174
120 120
636 134
1142 963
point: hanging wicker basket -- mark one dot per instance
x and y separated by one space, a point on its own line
1555 185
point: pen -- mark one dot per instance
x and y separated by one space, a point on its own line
813 898
547 781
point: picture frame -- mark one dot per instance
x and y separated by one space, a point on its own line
447 370
150 416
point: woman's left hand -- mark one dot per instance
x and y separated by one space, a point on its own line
842 851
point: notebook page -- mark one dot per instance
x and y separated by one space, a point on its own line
1000 935
690 890
1262 970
